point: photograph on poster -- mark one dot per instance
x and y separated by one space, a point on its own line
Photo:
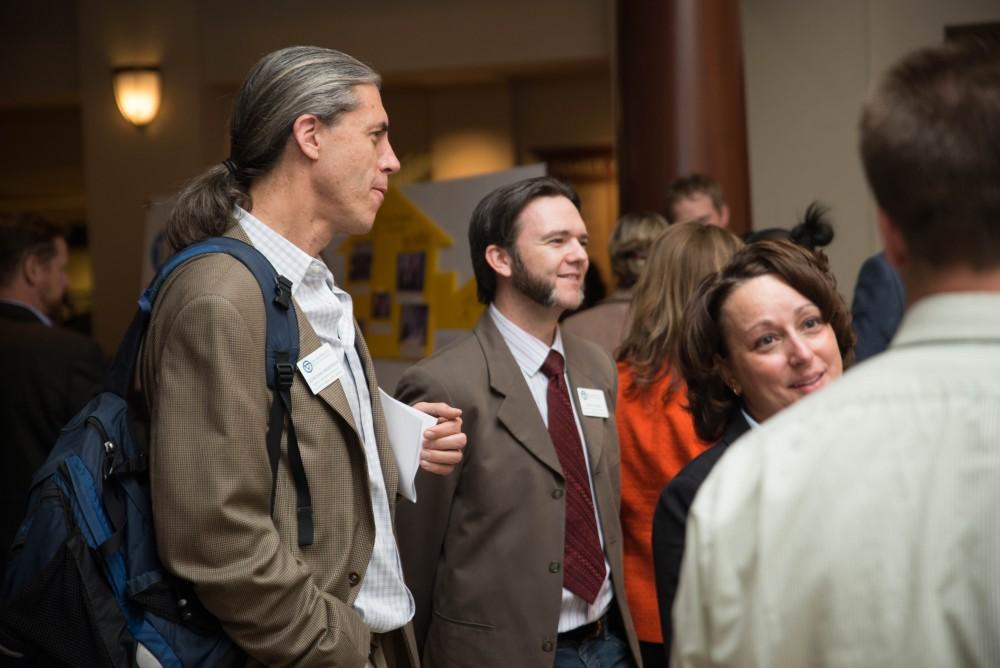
412 329
410 272
381 305
360 263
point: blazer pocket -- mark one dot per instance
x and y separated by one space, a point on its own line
482 626
459 643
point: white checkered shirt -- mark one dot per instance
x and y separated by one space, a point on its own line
384 601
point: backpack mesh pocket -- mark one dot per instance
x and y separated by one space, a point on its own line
67 616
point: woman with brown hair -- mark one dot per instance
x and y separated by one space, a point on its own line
655 433
767 330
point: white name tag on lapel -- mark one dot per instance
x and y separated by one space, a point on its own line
321 367
592 402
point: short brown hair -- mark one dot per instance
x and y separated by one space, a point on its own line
630 242
495 221
930 144
678 261
703 345
691 185
23 235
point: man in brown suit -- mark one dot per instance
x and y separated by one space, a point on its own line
310 158
515 559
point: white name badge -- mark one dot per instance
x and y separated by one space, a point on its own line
592 402
320 368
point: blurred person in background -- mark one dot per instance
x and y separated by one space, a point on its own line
814 231
655 431
697 198
878 305
605 323
49 373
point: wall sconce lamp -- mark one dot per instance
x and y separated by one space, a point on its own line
137 93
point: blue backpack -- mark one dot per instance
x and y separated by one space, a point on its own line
84 585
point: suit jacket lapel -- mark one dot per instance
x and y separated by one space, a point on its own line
593 427
333 394
386 457
518 412
309 342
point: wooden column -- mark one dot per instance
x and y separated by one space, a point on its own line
679 101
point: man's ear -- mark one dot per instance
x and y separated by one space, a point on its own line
896 250
304 130
724 215
500 260
32 269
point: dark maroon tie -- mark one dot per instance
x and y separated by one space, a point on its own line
583 559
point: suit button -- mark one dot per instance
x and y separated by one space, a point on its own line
557 493
547 646
354 579
554 567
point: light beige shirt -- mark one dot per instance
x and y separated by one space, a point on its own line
861 526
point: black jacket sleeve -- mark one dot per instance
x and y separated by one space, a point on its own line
669 526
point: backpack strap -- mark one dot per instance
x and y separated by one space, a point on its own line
281 355
284 374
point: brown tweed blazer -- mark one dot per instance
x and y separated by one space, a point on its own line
482 550
202 370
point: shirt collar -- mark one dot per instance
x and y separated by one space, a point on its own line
951 317
750 421
287 259
529 352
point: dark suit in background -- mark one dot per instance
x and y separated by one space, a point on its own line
670 520
47 375
877 309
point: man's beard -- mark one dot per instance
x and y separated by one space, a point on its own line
535 288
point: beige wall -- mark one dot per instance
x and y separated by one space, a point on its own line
468 53
124 167
808 66
470 131
38 53
573 110
404 37
519 75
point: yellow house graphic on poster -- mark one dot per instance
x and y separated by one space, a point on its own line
400 296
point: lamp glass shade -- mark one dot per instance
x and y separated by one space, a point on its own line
137 94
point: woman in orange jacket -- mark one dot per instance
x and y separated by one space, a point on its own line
655 433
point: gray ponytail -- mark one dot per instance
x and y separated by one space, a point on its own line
282 86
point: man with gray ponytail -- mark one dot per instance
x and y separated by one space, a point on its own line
309 159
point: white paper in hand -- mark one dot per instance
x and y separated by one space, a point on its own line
406 432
